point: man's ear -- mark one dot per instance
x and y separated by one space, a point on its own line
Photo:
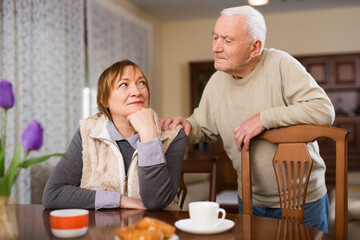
256 48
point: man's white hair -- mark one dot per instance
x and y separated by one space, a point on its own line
255 22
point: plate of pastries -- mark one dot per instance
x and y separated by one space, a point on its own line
147 229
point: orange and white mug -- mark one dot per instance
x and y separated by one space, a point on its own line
69 223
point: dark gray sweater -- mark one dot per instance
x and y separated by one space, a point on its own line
158 183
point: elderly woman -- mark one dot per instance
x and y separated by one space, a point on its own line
119 158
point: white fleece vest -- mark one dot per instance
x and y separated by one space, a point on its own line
103 163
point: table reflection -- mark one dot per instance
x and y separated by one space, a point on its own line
34 223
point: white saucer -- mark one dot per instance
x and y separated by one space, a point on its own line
185 225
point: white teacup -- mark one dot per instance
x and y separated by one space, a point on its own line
205 215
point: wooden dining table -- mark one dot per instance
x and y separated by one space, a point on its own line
34 223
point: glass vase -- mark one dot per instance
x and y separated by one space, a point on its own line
9 228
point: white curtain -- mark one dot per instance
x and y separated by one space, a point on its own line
42 52
114 34
43 49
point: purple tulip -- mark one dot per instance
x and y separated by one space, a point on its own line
32 137
7 97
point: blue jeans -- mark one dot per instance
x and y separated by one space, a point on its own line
316 214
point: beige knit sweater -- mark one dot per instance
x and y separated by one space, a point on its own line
284 94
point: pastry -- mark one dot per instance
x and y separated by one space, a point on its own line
153 223
133 233
146 229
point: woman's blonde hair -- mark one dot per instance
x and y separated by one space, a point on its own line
107 80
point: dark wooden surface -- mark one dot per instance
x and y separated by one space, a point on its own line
33 221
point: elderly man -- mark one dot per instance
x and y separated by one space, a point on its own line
256 89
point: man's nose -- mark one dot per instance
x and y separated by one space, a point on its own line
217 45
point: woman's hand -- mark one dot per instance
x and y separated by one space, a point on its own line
129 202
144 124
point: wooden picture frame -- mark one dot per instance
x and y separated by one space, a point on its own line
200 73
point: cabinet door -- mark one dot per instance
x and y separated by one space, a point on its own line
334 72
319 69
347 71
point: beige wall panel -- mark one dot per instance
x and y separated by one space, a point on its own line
183 42
315 32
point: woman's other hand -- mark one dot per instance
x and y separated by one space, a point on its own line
144 124
129 202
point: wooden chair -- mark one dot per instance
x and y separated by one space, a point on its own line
198 166
292 153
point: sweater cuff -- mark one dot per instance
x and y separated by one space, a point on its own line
265 119
105 199
150 153
195 130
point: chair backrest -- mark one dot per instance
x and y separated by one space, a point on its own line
292 176
292 145
198 166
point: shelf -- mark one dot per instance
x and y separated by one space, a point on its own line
340 88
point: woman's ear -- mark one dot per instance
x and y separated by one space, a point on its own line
256 48
102 103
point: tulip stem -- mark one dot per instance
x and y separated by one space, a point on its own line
5 120
26 154
3 147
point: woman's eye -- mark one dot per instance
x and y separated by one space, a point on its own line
143 83
123 85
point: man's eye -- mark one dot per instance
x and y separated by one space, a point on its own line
228 41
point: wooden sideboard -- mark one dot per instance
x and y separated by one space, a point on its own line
338 75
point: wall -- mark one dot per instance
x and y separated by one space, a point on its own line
299 33
325 31
182 42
